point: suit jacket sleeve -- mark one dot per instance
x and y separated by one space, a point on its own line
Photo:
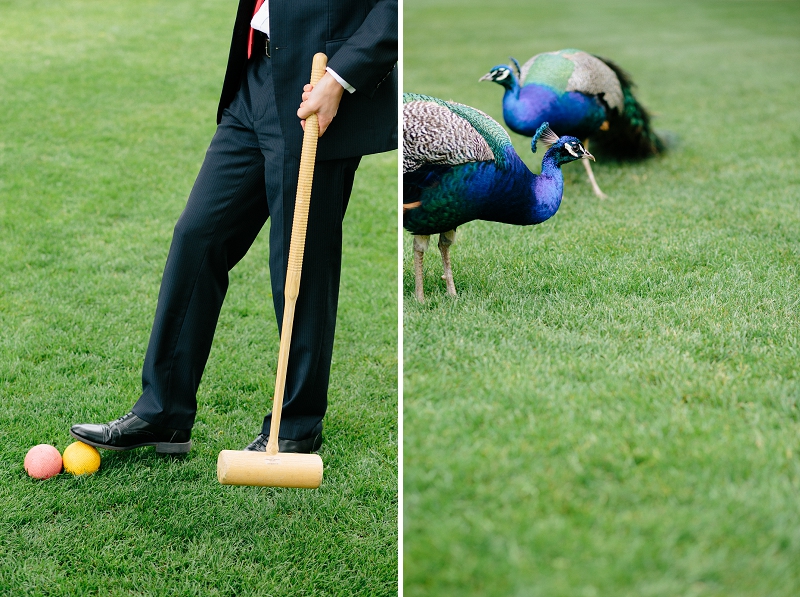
369 55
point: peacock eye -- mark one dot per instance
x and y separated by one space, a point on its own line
571 147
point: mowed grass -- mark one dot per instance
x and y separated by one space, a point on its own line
108 109
610 407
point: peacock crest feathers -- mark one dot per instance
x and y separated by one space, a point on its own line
544 134
469 135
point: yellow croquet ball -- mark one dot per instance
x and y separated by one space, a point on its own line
81 459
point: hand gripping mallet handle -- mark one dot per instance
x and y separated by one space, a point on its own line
296 250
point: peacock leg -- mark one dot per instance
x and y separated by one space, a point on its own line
445 240
588 167
420 246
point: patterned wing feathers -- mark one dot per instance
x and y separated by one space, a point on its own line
592 76
446 133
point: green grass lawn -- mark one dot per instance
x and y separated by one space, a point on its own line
107 110
610 407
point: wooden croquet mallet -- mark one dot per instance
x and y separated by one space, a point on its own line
272 468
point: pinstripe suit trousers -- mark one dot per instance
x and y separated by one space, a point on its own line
247 177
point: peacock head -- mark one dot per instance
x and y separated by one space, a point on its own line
501 74
562 149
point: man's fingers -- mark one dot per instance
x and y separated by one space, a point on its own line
306 110
321 99
323 124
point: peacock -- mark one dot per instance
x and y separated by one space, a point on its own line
581 95
459 166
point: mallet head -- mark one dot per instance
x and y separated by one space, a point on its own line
236 467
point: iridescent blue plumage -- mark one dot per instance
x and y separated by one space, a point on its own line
460 166
461 193
579 114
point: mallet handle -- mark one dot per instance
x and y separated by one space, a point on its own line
296 249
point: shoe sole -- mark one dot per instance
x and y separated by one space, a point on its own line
161 447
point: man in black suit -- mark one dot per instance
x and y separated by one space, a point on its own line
250 174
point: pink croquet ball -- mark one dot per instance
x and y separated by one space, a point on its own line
43 461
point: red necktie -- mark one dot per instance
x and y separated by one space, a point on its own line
250 40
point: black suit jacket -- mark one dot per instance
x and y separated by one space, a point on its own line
360 39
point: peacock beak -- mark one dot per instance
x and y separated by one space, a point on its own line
588 155
486 77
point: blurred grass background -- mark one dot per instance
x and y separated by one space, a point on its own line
610 407
108 109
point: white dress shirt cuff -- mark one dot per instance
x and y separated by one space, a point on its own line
349 88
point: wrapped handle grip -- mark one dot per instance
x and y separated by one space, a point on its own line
303 198
296 250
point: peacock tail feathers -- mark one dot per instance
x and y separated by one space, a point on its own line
629 134
465 134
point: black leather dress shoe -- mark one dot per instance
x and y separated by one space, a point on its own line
301 446
129 432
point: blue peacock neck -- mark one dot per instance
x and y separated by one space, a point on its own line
522 197
522 106
548 188
511 86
